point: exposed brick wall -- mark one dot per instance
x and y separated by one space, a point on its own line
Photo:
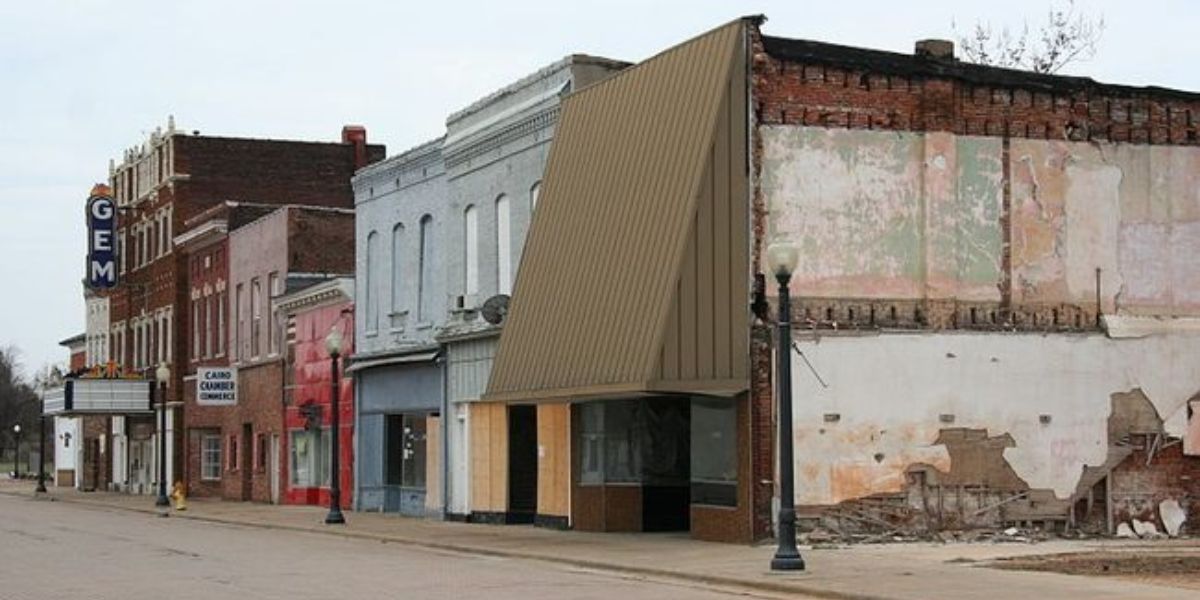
1139 485
267 171
320 242
762 431
802 83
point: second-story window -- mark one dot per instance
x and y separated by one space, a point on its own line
255 318
471 250
397 273
372 281
238 315
221 324
195 329
425 287
272 334
208 326
503 246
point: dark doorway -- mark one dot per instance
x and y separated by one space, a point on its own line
247 461
666 464
522 464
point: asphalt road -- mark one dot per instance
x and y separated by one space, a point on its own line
56 550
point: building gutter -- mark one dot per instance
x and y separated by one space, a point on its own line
445 425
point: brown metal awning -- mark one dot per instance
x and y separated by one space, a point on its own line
635 276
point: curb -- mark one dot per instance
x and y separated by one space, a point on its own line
712 580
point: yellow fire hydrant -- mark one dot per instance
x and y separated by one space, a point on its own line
179 496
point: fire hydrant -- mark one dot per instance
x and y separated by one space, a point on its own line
179 496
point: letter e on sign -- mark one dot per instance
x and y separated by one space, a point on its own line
102 226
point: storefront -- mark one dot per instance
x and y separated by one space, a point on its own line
399 400
116 441
619 396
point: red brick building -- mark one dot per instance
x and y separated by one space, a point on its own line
160 186
236 445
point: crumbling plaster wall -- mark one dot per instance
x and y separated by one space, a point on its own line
889 396
903 215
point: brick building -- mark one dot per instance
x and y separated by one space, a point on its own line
235 446
994 302
160 185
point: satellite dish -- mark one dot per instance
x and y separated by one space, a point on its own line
495 309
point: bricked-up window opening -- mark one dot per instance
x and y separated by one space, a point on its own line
221 324
310 458
426 261
273 329
237 322
260 452
233 452
397 275
210 457
471 250
372 281
208 326
255 318
503 246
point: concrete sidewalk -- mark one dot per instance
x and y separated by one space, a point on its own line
915 571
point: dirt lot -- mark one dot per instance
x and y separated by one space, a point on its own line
1175 567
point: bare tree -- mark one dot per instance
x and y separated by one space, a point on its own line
1067 36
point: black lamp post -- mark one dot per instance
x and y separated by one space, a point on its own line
333 344
17 450
162 375
782 258
41 486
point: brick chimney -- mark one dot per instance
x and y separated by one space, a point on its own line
943 49
357 135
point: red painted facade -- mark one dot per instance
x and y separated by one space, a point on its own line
311 385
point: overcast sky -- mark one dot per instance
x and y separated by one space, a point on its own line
83 80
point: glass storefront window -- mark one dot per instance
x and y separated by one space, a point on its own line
406 450
714 451
310 458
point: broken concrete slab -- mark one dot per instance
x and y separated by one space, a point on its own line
1145 529
1125 531
1173 516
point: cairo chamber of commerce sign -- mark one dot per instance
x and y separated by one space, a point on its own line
216 386
102 233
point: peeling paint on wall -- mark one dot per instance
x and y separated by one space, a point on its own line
893 394
917 216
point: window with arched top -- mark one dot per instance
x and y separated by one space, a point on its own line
425 287
503 246
533 195
471 250
397 268
372 282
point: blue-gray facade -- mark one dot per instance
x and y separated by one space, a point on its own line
474 190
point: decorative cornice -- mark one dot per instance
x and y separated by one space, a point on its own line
537 121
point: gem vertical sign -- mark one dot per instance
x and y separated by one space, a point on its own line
102 233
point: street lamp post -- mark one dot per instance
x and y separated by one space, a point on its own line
781 259
162 375
17 451
333 344
41 485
